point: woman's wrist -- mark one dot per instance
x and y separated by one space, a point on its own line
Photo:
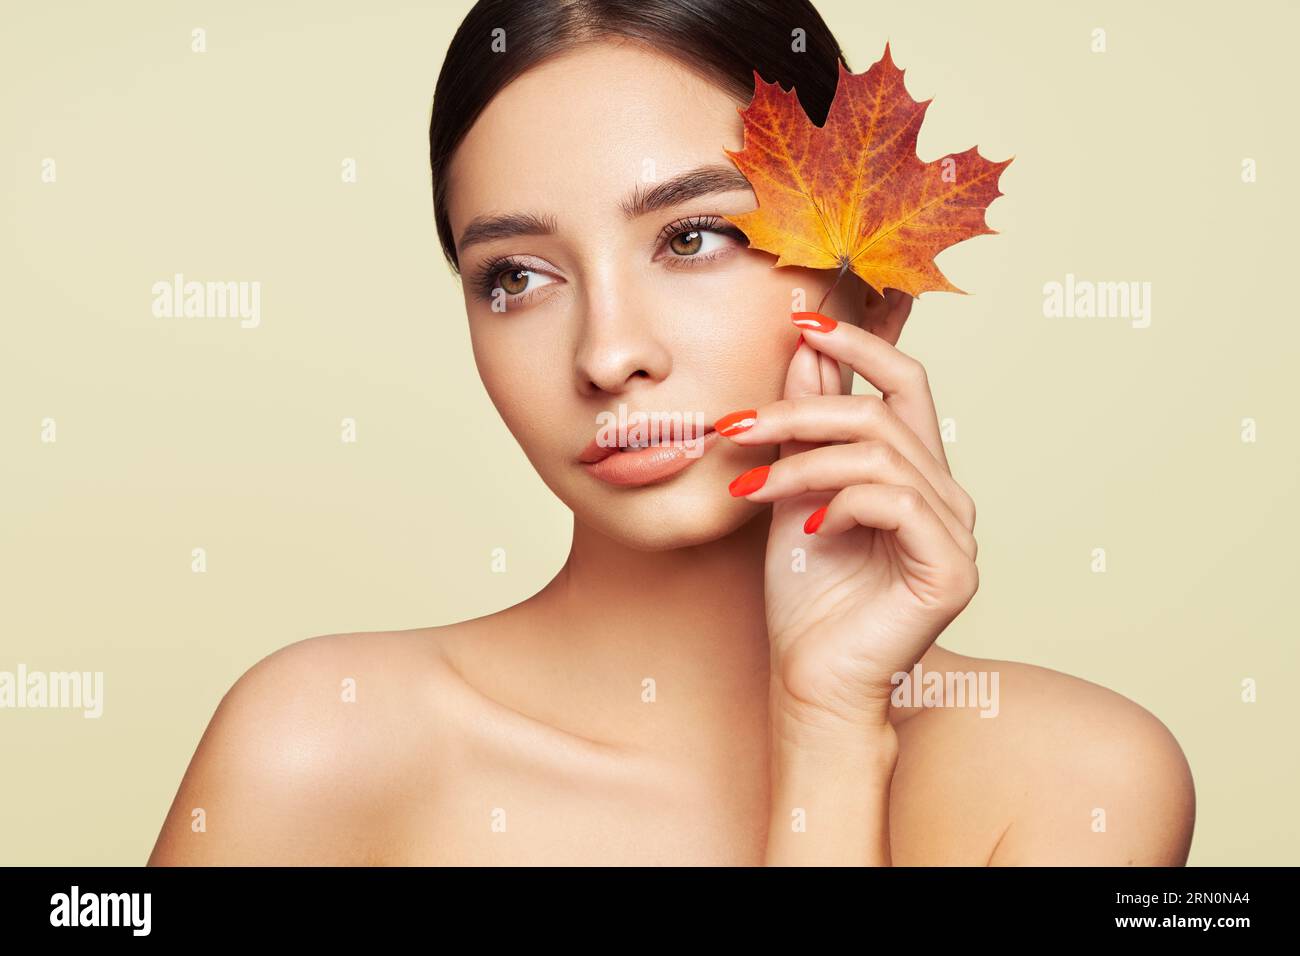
810 710
830 781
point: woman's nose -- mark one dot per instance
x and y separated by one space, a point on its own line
618 345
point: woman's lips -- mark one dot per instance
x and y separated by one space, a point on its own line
641 466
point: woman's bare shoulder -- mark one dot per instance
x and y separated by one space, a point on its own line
1080 774
311 755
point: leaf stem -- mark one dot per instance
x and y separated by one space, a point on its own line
840 275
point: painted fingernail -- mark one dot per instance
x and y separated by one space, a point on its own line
749 482
736 422
813 320
815 520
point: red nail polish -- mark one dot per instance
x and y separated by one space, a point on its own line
815 520
736 422
813 320
749 482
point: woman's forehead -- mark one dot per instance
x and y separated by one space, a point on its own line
583 126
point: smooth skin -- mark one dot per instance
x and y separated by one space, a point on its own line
678 694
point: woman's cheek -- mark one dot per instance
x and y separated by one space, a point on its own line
528 393
506 381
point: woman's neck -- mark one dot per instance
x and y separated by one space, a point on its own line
680 634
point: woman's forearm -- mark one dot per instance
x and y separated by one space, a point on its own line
830 794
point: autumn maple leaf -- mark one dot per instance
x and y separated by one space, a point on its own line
853 194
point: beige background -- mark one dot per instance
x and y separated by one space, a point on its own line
181 433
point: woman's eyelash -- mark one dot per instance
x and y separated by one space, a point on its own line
701 224
485 278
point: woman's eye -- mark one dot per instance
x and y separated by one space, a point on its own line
691 242
516 281
695 242
516 277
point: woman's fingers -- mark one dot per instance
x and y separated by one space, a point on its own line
848 418
939 574
802 380
832 379
832 467
901 379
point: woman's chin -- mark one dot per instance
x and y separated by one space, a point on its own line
678 518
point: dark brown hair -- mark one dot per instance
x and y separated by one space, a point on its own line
726 40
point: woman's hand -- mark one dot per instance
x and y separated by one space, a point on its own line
870 554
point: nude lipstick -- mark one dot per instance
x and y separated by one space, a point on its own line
632 467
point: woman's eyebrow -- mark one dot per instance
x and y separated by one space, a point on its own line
701 181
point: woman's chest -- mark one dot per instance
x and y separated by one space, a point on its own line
596 839
504 818
517 816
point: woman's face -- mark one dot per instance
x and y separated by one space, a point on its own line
639 295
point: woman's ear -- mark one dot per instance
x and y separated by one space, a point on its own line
885 314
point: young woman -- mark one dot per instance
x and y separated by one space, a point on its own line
712 676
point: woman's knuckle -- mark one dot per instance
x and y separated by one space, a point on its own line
910 500
965 508
871 410
915 372
876 454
